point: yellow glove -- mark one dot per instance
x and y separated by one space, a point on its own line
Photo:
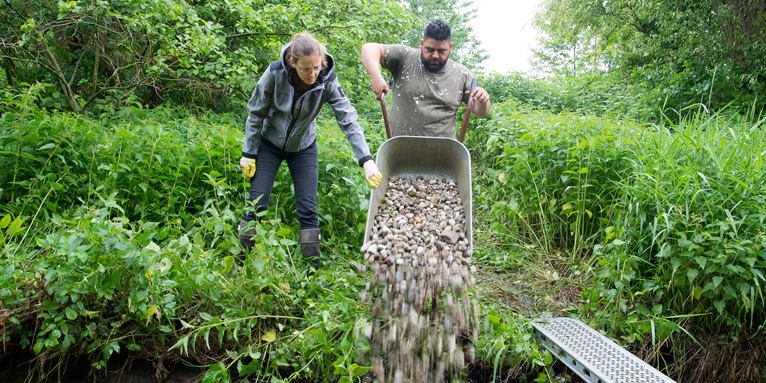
372 174
248 167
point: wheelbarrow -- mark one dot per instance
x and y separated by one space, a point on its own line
403 156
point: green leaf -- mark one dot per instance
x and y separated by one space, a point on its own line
285 232
269 337
358 370
38 347
717 281
151 311
47 146
5 221
719 305
15 228
213 375
692 274
491 141
70 313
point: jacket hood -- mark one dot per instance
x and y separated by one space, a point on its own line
323 74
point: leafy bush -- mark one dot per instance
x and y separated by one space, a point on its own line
105 54
118 235
602 94
556 175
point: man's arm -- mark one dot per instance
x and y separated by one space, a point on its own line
372 56
481 104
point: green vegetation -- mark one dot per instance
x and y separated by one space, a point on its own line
119 236
609 193
660 227
198 54
681 52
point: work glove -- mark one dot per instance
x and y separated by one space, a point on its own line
372 174
248 167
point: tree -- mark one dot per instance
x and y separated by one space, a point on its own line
198 53
686 51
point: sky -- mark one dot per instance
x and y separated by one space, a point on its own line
505 30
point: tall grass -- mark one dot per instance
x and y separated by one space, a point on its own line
693 218
667 220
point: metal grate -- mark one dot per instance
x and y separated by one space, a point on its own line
592 356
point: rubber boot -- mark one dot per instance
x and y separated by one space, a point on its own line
309 239
246 236
247 243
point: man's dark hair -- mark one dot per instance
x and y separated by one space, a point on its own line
437 30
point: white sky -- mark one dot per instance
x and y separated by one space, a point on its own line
505 30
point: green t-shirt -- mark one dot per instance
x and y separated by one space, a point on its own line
424 103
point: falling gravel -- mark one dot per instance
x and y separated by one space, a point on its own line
423 323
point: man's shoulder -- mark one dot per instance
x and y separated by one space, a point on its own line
399 46
398 50
456 67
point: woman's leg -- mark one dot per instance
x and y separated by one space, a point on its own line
267 164
304 169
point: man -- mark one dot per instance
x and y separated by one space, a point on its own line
428 87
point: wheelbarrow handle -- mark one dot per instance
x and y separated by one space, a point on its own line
386 120
468 110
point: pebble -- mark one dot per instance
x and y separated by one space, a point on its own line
421 271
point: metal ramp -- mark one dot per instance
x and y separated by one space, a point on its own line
592 356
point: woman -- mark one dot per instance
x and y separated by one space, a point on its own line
280 127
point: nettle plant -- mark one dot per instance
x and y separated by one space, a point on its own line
556 177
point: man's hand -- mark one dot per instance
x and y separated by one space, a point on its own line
480 95
379 87
372 174
248 167
481 101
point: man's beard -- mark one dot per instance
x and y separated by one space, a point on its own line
433 66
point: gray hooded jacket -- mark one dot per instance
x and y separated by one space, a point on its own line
272 115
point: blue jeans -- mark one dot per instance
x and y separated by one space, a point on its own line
304 170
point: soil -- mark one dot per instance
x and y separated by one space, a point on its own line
17 368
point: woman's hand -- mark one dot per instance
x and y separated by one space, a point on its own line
248 167
372 174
